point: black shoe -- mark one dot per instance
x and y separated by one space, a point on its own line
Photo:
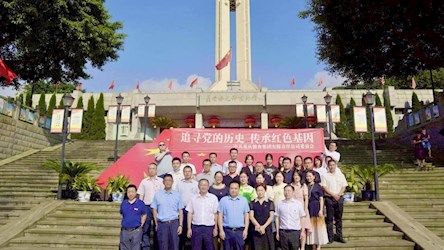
330 241
341 240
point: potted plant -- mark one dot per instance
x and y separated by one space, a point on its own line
116 187
352 187
70 171
366 174
85 185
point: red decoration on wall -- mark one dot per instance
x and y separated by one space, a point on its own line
214 121
276 121
250 121
190 121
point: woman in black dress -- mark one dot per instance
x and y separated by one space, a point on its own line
420 152
318 235
261 216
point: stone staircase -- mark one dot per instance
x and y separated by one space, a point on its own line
363 228
420 194
24 183
74 225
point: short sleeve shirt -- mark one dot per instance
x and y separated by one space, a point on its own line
132 213
334 182
233 211
167 204
290 213
165 165
262 211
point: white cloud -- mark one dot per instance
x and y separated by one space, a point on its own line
329 80
155 85
8 91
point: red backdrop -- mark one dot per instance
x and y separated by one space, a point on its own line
200 142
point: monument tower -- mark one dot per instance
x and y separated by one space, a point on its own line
223 80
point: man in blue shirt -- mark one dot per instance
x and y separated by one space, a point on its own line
168 215
233 218
133 213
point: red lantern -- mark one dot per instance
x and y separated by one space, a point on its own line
311 121
190 121
276 121
213 121
250 121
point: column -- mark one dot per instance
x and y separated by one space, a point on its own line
264 120
222 42
243 44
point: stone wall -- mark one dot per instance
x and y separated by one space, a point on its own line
17 137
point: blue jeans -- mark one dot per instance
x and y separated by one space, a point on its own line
147 231
130 240
202 235
167 235
233 239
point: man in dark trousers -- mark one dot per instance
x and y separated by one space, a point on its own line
133 213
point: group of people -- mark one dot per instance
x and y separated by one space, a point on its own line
256 206
422 148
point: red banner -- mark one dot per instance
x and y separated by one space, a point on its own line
201 142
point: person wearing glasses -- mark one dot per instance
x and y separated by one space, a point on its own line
163 159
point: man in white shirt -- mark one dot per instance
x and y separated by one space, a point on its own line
289 213
186 162
206 172
163 159
233 156
331 151
202 217
334 184
215 167
187 188
147 188
176 173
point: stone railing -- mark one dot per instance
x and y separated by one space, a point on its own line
18 111
427 114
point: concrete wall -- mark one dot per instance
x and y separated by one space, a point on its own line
18 136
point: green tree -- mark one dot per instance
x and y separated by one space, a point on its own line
88 126
28 99
378 102
350 120
61 103
364 39
51 106
388 115
45 87
57 39
341 128
99 119
20 99
416 105
79 106
42 105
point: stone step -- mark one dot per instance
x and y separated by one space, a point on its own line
31 178
92 216
15 207
376 245
77 224
67 242
27 195
29 188
433 224
394 197
83 233
34 185
420 202
424 192
36 181
82 210
413 210
363 219
374 235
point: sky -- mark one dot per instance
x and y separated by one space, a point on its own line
174 40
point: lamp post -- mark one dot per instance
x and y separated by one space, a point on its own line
369 99
145 115
304 100
68 101
119 100
327 99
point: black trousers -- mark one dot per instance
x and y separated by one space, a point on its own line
289 239
334 211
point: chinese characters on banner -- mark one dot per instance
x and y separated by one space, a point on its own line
321 113
307 140
360 118
75 123
57 120
335 113
151 110
125 114
380 120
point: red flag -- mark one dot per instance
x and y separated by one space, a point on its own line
138 86
293 81
413 83
259 83
224 62
79 87
320 82
111 86
6 72
382 81
170 85
194 82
